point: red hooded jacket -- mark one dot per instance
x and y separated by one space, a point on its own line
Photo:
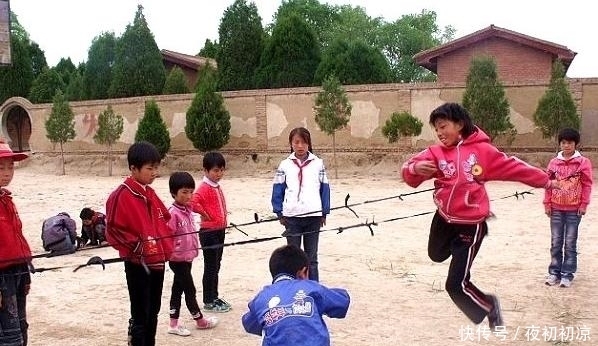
208 201
136 224
575 175
460 194
14 248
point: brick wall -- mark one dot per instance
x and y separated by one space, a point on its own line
515 62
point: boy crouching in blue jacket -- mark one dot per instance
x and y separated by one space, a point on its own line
290 310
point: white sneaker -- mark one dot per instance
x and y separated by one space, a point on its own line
207 323
179 330
552 280
565 282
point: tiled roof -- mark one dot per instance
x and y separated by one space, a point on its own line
428 58
190 61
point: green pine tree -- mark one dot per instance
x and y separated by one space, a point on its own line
208 121
110 128
152 128
60 125
332 111
176 82
401 124
556 109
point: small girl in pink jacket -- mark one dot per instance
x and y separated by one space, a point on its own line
186 247
566 206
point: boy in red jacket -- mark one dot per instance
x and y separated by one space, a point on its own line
15 255
208 201
137 227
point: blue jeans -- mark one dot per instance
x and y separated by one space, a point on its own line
14 285
563 228
307 228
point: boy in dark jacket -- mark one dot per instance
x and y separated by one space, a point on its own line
59 234
93 227
136 227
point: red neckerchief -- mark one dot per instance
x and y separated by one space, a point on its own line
300 164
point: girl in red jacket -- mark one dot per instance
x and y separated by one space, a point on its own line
208 201
460 166
15 255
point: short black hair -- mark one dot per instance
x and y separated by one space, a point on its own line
456 113
213 159
180 180
288 259
569 134
142 153
86 214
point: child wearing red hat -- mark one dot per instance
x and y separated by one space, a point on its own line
15 256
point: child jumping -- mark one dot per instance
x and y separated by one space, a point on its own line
301 196
136 227
186 247
566 206
208 201
460 166
15 254
289 312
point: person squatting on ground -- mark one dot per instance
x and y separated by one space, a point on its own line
93 227
290 310
15 256
566 206
136 227
186 245
208 201
460 166
59 234
301 196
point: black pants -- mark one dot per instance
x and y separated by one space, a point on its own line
306 228
14 286
462 242
211 263
145 294
183 283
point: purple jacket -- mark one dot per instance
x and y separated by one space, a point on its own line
185 242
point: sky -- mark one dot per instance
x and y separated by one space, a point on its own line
66 28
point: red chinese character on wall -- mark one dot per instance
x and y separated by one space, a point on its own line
91 122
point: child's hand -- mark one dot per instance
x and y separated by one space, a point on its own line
548 211
323 221
283 220
425 168
581 211
555 184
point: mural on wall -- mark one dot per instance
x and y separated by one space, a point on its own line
86 126
365 119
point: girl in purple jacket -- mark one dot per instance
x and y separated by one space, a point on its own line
186 246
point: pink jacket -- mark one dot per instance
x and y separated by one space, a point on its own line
186 242
575 176
460 194
208 201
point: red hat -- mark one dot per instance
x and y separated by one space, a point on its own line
5 151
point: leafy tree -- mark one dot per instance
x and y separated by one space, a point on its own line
240 36
291 56
401 124
138 68
556 109
65 68
152 128
110 128
60 125
38 59
407 36
353 63
16 79
332 109
176 82
75 89
208 121
210 49
321 18
485 99
353 24
44 87
98 70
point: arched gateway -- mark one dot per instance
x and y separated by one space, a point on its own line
16 123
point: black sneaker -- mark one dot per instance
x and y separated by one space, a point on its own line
222 302
495 315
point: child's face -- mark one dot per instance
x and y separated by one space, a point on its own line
7 171
568 147
183 196
215 173
299 146
448 132
146 174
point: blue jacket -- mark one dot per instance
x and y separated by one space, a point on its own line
289 312
301 188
